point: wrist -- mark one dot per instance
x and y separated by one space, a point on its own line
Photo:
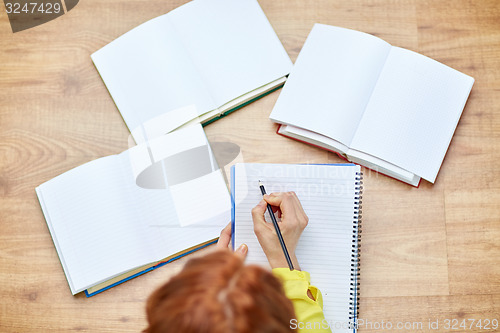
279 261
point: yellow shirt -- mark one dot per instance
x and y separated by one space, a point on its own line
310 317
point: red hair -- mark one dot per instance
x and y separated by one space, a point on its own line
218 293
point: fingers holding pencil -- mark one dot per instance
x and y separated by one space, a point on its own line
288 202
293 222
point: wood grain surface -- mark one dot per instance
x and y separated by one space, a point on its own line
429 255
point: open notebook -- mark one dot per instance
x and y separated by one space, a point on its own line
328 248
384 107
117 216
217 55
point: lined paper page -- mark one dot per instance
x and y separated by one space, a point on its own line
327 195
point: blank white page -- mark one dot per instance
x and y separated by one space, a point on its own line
232 44
148 72
331 82
185 201
183 215
104 223
93 222
327 194
413 112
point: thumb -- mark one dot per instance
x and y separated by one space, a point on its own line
242 251
259 210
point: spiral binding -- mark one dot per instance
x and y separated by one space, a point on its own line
355 252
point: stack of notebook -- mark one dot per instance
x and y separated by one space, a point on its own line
384 107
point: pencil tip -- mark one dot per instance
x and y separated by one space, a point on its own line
260 183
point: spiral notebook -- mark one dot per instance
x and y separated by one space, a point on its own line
329 247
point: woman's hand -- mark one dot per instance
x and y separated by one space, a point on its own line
293 222
225 239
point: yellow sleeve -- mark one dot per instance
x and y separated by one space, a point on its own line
310 317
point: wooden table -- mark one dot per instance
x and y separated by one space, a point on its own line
429 254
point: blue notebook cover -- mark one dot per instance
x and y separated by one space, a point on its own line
148 269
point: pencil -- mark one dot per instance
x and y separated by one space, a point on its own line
277 228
